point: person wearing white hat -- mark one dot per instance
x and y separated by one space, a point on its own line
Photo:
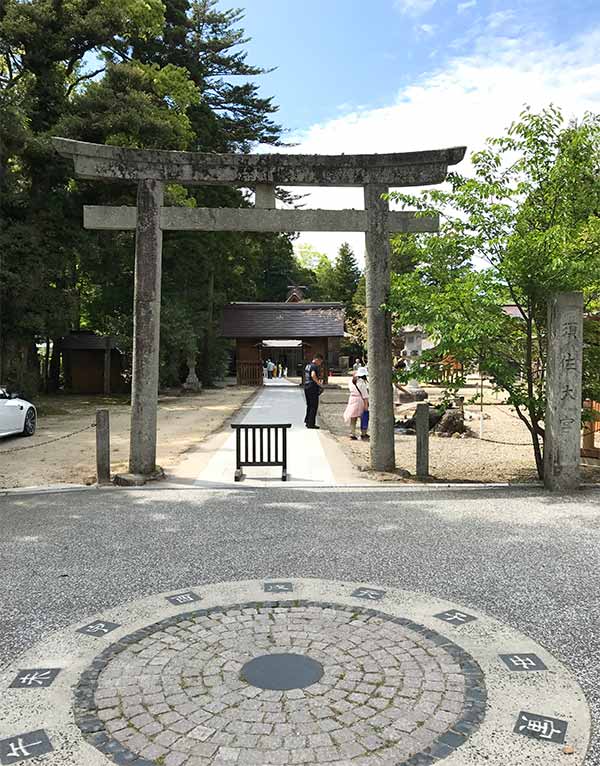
358 404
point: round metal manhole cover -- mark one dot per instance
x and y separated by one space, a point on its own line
282 672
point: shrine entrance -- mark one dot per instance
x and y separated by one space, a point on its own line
151 169
290 353
289 333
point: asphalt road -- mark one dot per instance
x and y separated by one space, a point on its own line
522 556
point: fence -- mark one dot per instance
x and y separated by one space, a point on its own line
250 373
261 451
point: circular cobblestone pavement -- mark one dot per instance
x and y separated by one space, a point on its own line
389 689
407 680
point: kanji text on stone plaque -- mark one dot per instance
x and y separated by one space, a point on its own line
35 678
371 594
98 628
24 746
541 727
569 330
522 662
455 617
184 598
278 587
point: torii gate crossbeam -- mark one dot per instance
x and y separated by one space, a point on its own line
151 169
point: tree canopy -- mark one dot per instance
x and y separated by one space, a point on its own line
139 73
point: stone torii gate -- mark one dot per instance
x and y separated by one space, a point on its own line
152 169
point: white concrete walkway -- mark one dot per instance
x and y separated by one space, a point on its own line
279 402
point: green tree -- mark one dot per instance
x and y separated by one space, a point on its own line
43 45
345 276
523 227
356 321
406 252
317 272
170 74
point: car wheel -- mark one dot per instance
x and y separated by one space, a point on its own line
30 422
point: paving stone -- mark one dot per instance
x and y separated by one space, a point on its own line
167 739
176 759
153 751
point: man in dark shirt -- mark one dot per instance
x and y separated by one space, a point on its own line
312 388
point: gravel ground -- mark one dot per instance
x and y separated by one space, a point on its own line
521 555
505 453
53 456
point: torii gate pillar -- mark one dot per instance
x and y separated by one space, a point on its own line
146 328
379 335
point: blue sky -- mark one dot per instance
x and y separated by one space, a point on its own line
334 56
402 75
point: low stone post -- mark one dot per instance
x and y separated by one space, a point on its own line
562 443
146 328
102 446
379 330
422 429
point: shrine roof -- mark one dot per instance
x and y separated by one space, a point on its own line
283 320
86 340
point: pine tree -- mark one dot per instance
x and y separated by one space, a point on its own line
345 277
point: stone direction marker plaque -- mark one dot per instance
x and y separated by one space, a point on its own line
522 662
278 587
541 727
183 598
98 628
370 594
35 678
24 746
455 617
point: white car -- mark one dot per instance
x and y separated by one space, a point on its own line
17 416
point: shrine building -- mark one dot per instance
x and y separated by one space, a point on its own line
289 332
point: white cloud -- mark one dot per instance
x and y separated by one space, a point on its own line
471 98
414 7
427 29
500 18
462 7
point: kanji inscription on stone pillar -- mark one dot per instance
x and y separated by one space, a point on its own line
562 444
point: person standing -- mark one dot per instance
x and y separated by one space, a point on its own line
358 404
313 386
270 368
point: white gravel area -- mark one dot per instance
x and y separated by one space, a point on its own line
504 454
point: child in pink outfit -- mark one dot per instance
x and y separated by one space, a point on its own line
358 402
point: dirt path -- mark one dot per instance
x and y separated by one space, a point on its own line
505 453
183 421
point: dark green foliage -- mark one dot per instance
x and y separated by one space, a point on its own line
133 73
344 278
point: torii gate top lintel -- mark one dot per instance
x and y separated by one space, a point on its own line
100 161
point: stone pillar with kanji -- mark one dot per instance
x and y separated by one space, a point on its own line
562 446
